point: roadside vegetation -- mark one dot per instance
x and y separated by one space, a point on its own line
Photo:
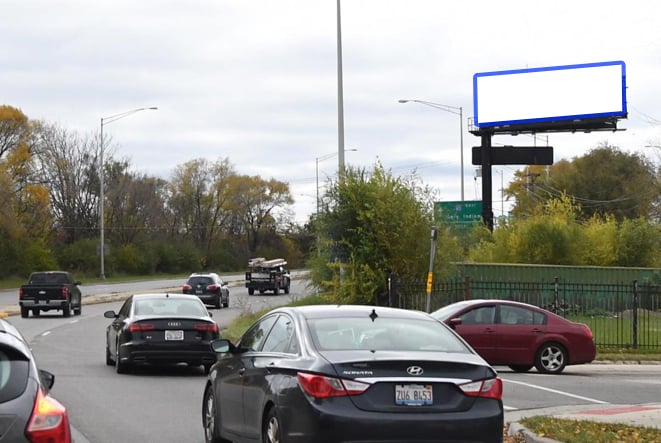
584 431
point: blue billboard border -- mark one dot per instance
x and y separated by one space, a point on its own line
538 121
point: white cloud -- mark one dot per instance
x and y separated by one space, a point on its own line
256 80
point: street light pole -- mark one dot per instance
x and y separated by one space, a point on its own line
457 110
106 121
317 160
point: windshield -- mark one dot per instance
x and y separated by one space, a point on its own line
400 334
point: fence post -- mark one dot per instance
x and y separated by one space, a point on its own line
467 288
556 296
634 314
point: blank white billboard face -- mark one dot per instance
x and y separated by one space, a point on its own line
549 94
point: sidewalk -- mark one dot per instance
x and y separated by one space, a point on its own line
647 415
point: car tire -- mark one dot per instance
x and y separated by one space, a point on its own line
24 312
226 304
520 368
109 360
210 419
121 368
271 427
218 303
551 358
78 309
287 289
251 291
66 310
276 290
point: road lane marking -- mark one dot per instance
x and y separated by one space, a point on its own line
555 391
43 334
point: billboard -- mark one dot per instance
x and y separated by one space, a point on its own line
550 94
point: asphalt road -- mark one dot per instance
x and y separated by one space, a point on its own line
164 405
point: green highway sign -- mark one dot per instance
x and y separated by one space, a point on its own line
463 213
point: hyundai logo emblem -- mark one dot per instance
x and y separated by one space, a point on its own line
415 370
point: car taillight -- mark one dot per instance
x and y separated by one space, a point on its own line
187 287
588 331
20 293
49 422
206 327
320 386
212 287
492 388
138 327
65 291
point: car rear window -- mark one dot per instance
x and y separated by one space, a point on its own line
397 334
204 281
14 370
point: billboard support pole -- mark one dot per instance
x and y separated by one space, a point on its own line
487 204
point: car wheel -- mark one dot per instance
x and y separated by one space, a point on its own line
520 368
218 303
109 361
121 368
78 309
287 289
276 290
210 420
226 304
271 427
24 312
551 358
66 311
251 291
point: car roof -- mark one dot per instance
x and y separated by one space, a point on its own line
203 274
326 311
167 295
11 336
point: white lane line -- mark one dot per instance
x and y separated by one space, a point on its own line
555 391
43 334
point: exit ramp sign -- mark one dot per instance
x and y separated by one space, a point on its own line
462 213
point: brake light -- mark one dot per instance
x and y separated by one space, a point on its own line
320 386
187 287
49 422
206 327
492 388
139 327
213 287
65 291
587 331
21 293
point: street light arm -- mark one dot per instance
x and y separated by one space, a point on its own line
114 118
451 109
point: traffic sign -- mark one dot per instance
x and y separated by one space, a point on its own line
463 213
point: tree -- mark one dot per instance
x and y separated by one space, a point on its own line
605 181
371 224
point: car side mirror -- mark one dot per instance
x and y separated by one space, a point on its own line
110 314
455 321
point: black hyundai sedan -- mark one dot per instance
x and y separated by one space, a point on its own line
319 374
28 413
160 329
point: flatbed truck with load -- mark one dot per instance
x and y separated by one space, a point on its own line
267 275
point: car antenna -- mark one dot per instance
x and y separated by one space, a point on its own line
373 315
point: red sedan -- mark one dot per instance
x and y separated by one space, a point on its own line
520 335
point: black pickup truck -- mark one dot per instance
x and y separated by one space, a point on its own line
50 290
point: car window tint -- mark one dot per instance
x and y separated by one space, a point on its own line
281 337
125 310
539 318
14 370
254 337
384 334
515 315
483 315
202 281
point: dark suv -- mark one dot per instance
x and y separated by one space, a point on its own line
27 412
211 289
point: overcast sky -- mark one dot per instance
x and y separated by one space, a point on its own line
255 81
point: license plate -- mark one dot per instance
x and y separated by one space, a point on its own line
199 291
174 335
414 395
